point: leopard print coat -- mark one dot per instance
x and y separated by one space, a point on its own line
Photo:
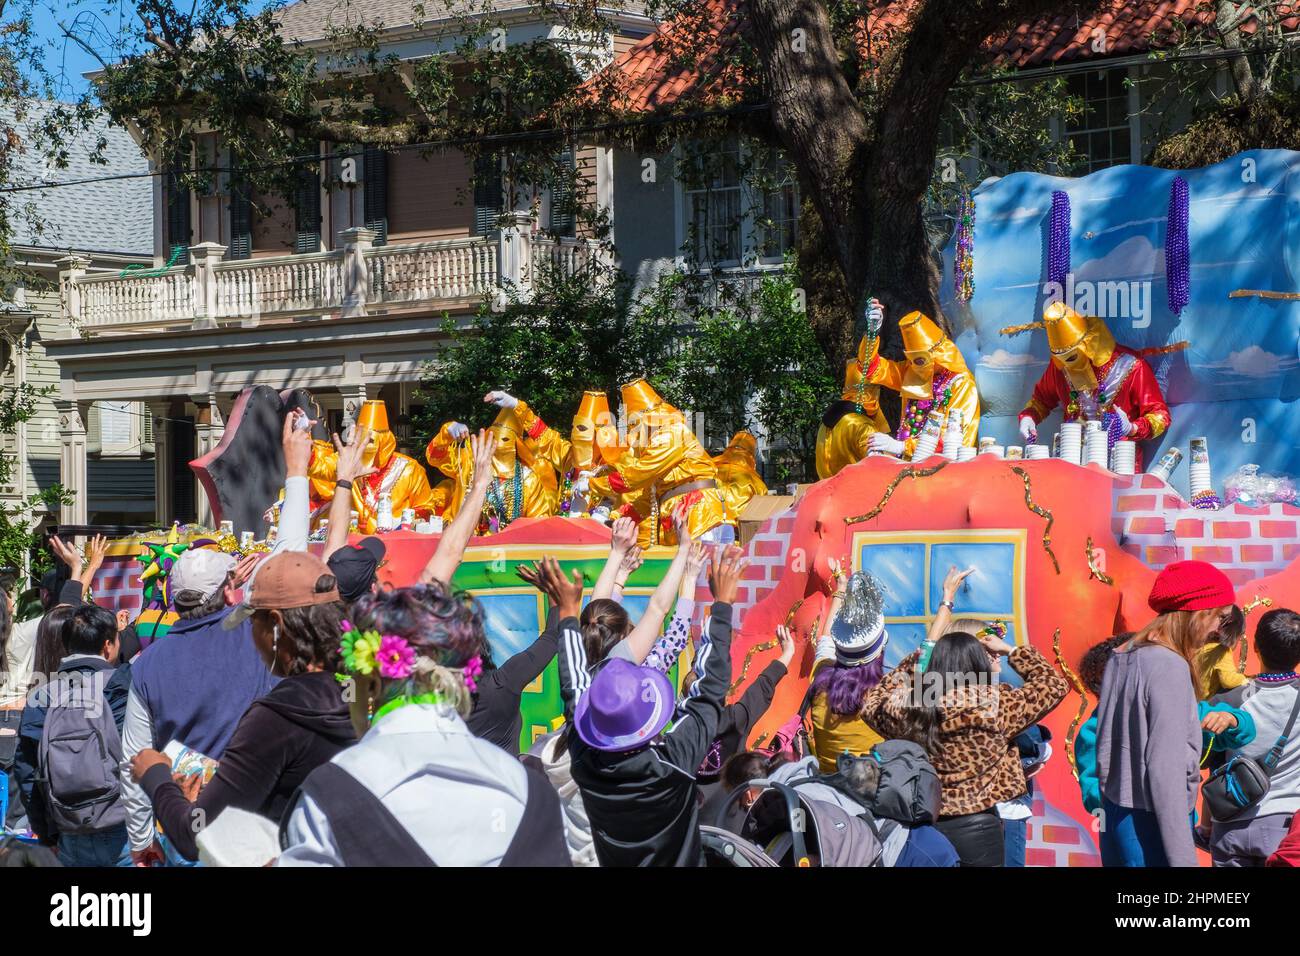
977 760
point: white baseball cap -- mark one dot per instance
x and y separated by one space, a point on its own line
202 570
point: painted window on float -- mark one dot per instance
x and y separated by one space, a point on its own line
911 566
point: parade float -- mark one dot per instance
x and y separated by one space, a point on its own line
1065 544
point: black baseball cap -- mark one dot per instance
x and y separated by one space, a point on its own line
354 567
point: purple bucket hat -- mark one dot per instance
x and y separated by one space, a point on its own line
625 707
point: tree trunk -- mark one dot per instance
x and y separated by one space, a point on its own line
866 176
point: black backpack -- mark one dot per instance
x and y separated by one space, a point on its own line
79 754
895 781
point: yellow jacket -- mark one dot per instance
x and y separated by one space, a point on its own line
401 476
455 459
672 457
965 397
738 474
832 734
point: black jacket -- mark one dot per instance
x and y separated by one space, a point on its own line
282 737
641 803
496 717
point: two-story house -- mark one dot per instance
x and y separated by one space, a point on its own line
105 227
343 290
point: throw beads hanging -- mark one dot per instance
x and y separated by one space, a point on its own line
963 263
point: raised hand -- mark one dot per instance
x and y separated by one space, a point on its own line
565 592
875 316
632 559
622 535
724 574
66 553
953 580
500 399
787 644
458 431
682 526
350 465
695 560
96 548
1028 430
483 446
297 443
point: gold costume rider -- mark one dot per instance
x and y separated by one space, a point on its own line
668 464
523 488
400 476
934 378
572 456
848 424
738 476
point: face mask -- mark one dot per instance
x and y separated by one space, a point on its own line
1078 370
918 377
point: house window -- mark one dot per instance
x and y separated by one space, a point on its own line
714 206
778 225
562 216
178 210
487 193
374 170
1104 134
119 428
740 205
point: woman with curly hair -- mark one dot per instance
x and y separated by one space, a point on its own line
296 617
420 789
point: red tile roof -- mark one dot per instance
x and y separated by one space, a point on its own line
686 63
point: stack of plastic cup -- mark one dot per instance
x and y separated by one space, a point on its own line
1071 446
1167 463
997 451
1035 452
1015 452
952 435
1095 451
966 452
928 441
986 443
1199 478
1123 458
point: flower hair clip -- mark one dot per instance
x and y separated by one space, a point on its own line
471 672
364 652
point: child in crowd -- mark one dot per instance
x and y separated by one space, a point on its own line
1271 701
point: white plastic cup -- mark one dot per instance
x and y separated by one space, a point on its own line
1036 452
966 453
1123 458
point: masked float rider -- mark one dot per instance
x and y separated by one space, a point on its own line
738 476
521 486
572 458
848 424
666 463
1094 379
933 378
399 476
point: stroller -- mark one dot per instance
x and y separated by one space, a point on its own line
799 820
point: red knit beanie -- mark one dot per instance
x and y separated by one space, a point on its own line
1191 586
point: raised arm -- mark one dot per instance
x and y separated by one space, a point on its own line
701 710
348 468
622 538
651 624
295 512
668 647
565 594
96 548
451 546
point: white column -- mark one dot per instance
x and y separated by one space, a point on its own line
354 396
209 426
71 270
514 252
72 459
160 409
205 256
356 242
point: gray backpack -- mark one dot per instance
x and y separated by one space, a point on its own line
895 781
79 756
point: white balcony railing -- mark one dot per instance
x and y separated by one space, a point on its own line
355 280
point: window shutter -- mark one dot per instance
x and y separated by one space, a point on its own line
487 193
374 167
178 211
562 211
241 221
307 209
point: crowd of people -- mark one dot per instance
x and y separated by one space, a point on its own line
302 713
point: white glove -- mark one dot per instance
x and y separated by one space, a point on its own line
1126 427
581 482
880 442
501 399
1028 430
875 316
458 430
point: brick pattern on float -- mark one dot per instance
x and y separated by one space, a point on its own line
1157 526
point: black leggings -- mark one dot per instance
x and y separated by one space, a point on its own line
977 837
